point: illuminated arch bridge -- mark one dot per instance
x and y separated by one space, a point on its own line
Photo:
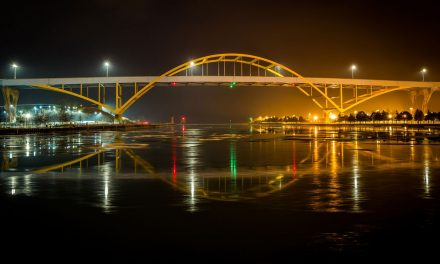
228 69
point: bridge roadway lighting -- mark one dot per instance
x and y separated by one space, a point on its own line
191 64
14 66
107 65
353 68
423 74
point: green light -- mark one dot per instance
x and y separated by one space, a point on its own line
233 161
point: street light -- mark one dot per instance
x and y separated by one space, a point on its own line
15 66
107 65
353 68
191 64
423 74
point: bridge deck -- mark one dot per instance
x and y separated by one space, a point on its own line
218 80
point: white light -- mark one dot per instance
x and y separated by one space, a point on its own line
333 116
353 67
424 70
107 64
191 63
27 115
14 65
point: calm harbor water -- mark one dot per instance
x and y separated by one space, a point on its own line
250 192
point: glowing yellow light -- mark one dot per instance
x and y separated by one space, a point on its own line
333 116
390 116
315 118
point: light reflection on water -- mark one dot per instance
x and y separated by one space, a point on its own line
218 163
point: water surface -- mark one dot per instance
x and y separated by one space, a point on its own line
251 192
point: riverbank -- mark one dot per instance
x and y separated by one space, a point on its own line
369 124
45 130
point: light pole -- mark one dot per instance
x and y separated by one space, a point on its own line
191 69
107 65
423 74
15 66
353 68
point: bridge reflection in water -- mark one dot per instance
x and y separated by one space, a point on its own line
322 161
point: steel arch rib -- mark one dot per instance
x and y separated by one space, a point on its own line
221 58
58 90
376 95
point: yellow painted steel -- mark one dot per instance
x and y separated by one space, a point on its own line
373 95
259 63
58 90
217 58
69 163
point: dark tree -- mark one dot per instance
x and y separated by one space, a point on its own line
351 118
431 116
405 115
301 119
41 118
419 116
362 116
64 116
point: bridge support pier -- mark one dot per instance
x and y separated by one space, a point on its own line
427 94
10 96
326 116
413 97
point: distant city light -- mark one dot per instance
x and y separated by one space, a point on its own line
333 116
315 118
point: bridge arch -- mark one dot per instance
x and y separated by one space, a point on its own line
58 90
251 60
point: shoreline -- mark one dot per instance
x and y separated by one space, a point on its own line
416 125
48 130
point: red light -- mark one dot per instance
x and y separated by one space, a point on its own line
145 122
173 83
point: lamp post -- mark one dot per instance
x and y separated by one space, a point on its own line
107 65
423 71
191 69
353 68
14 66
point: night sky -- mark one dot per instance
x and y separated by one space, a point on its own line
386 39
